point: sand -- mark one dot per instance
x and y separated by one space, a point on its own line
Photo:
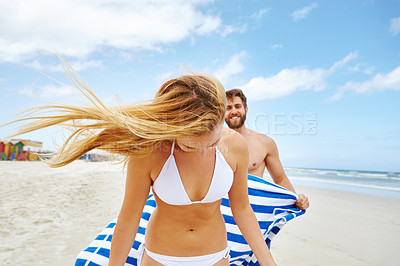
49 215
341 228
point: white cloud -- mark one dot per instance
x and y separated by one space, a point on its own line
260 13
339 64
286 82
395 26
76 65
368 70
380 82
355 68
231 29
276 46
209 26
291 80
48 91
302 13
233 66
163 77
77 28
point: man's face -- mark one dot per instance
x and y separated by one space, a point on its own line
235 114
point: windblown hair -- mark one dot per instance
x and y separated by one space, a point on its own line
239 93
184 106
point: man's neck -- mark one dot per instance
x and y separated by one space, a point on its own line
242 130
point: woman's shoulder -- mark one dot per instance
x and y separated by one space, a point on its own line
152 163
158 154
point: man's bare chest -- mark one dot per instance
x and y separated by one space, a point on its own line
257 154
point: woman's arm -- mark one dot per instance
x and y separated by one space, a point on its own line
137 189
240 205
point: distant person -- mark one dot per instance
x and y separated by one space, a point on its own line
263 152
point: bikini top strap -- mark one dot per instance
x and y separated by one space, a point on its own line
172 148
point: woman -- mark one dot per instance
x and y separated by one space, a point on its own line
177 146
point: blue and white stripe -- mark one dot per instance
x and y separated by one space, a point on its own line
273 206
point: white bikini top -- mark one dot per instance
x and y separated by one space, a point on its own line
169 188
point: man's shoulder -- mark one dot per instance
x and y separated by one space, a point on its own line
260 137
230 134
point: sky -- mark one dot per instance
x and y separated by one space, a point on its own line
322 78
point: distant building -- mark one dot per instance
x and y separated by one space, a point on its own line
31 149
8 148
20 149
3 155
17 149
30 146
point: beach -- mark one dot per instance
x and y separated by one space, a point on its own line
49 215
341 228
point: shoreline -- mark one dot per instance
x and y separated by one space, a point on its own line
49 215
347 187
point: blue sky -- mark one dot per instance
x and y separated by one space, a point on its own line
322 77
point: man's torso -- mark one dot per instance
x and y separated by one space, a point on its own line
257 152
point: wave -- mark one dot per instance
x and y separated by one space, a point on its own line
346 183
347 173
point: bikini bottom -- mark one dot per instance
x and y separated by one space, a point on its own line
205 260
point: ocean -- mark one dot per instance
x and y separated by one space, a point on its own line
386 184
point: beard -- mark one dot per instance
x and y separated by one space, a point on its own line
236 123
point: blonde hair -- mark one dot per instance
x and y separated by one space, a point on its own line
188 105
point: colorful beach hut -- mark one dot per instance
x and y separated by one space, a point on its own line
18 148
3 155
8 148
30 149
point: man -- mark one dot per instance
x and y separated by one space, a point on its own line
263 152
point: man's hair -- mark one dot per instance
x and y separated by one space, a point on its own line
236 92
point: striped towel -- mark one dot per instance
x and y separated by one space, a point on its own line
272 204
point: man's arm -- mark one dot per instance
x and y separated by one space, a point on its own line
240 205
274 165
275 169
